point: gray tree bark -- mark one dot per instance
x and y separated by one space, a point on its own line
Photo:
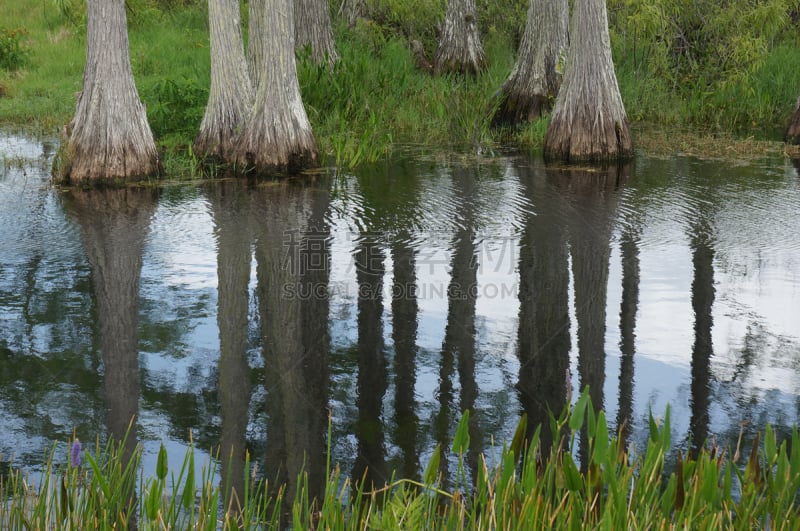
231 95
460 48
109 137
589 121
277 135
793 131
256 47
352 10
534 82
312 28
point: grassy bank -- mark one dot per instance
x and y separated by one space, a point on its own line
375 97
527 486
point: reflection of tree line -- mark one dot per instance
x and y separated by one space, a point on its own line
572 224
574 212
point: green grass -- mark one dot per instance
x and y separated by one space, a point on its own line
525 486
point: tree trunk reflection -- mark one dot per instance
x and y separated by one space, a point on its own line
228 207
370 463
114 224
594 196
543 336
702 350
292 275
404 336
629 247
458 348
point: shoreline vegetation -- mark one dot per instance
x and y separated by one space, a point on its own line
680 99
532 483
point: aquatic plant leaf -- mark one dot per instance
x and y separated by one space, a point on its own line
666 430
188 490
579 412
770 446
461 439
432 470
727 482
654 432
152 501
710 486
518 442
161 464
572 475
98 476
601 440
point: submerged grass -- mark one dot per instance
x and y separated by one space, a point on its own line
529 485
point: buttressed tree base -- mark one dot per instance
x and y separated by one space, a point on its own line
109 137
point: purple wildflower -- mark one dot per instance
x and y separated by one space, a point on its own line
75 453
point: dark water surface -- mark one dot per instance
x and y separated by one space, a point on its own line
394 297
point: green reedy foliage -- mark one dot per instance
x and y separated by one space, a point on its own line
13 51
699 41
375 96
176 107
696 55
526 485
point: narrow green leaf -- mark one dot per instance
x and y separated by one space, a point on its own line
98 475
152 501
579 412
461 439
572 475
161 464
727 482
666 431
601 440
188 490
654 433
668 499
591 420
518 442
507 472
782 468
432 470
770 446
710 486
794 459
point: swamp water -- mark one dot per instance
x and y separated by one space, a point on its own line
389 299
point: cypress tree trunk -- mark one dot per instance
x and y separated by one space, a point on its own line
460 48
793 132
536 77
110 137
231 95
312 27
589 121
351 10
256 47
277 135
